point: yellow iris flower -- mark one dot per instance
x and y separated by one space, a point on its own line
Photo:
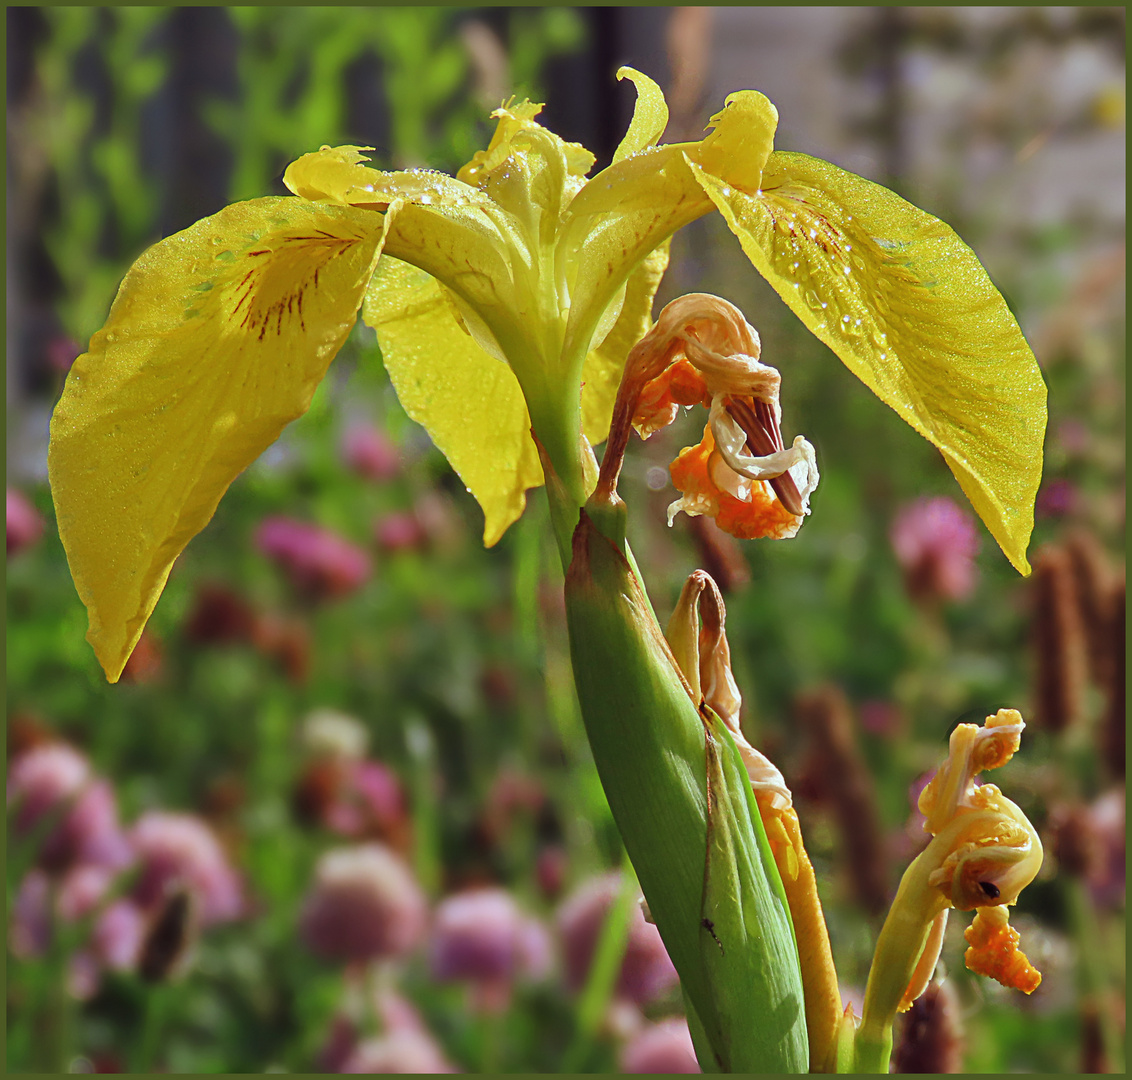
220 334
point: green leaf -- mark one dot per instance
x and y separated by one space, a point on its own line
748 939
911 312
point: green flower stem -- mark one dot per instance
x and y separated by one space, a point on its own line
898 949
609 951
682 803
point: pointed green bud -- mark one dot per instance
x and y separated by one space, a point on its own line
683 803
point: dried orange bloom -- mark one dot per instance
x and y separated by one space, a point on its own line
679 384
747 509
702 351
994 951
983 853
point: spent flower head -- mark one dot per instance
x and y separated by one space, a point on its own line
983 853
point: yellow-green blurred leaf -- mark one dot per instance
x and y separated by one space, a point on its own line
910 310
468 401
217 339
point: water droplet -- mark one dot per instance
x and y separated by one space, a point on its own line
824 305
847 271
795 266
725 191
813 234
425 200
844 318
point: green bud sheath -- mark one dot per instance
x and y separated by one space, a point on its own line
683 804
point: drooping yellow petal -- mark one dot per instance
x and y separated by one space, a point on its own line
469 402
601 374
650 115
911 312
217 339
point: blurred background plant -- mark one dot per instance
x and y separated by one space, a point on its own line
346 713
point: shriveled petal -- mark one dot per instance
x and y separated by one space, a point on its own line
217 339
469 402
747 509
910 310
994 951
650 115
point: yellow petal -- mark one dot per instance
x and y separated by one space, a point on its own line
336 173
217 339
650 115
601 374
911 312
742 138
621 215
469 402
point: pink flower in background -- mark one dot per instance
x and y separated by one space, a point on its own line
364 904
369 802
56 779
935 542
118 935
480 936
181 850
29 918
398 1052
1057 498
646 970
60 352
399 531
25 523
665 1047
82 889
550 870
369 452
319 561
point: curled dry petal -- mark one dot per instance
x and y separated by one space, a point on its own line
994 951
702 350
